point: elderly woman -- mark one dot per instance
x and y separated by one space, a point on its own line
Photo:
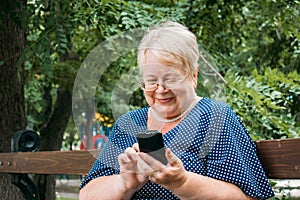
209 152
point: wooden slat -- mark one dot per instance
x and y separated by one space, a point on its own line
280 158
48 162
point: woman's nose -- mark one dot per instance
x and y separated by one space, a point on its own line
161 88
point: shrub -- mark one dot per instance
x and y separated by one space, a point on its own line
268 103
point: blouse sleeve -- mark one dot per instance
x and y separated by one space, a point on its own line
234 159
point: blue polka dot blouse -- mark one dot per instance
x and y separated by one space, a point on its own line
210 141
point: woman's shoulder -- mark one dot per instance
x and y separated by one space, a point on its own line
137 116
208 105
213 102
136 113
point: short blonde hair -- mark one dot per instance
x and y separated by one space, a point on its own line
173 44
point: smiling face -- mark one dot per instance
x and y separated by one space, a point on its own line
167 103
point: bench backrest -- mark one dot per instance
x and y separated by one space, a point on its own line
280 160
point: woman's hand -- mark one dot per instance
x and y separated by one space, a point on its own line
121 186
130 178
170 177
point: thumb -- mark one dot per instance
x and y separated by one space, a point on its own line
173 160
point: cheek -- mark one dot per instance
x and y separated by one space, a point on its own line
185 95
149 99
185 91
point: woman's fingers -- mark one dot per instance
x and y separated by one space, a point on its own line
135 146
170 176
123 158
128 161
131 153
144 168
152 162
173 160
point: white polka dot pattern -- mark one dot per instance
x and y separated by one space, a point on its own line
210 141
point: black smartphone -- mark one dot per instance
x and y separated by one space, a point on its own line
152 143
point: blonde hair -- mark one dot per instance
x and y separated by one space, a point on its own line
173 44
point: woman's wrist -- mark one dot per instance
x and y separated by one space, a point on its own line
186 190
178 184
121 186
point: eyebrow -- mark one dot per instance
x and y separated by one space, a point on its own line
165 76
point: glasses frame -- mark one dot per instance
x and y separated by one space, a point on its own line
142 85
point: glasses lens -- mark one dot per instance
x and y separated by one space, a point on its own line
167 84
172 83
148 86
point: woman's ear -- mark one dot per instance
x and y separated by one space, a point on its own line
195 77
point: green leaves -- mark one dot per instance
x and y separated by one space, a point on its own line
257 40
266 102
248 34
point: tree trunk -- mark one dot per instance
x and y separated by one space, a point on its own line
51 138
12 110
52 132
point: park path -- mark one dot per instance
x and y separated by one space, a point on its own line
74 183
292 187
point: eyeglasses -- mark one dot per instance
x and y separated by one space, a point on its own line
170 83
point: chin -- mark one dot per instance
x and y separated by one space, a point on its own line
166 111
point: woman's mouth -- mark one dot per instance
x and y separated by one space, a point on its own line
164 100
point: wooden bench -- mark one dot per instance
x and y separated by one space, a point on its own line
280 160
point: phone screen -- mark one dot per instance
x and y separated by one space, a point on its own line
151 142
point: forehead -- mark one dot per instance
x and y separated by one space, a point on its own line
152 64
160 56
159 70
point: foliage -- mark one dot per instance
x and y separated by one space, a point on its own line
267 103
124 16
240 36
60 36
34 101
243 35
49 62
245 39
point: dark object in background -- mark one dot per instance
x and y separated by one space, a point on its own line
25 141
